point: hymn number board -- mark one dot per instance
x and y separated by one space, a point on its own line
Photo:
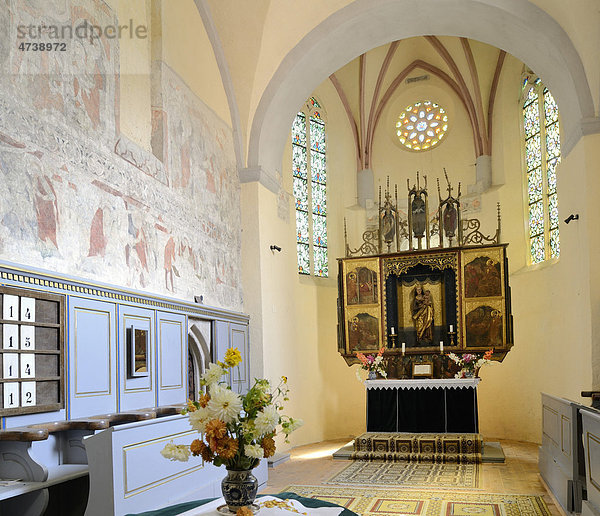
31 352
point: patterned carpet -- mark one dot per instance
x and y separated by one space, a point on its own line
409 474
411 502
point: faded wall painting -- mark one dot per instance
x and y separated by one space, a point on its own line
484 327
361 286
79 197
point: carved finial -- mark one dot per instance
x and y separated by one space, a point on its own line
438 185
418 184
458 190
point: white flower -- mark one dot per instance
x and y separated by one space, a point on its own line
179 452
266 420
224 404
213 374
199 418
294 424
254 450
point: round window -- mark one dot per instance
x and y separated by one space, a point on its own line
422 125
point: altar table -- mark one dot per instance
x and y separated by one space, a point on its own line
422 405
196 507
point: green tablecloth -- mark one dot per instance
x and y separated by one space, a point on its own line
174 510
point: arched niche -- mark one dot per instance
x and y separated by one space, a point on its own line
516 26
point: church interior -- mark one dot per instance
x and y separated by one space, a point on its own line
307 182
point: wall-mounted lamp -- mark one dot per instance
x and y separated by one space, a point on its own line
571 217
275 248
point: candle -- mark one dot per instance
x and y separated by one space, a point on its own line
451 328
403 347
441 346
392 332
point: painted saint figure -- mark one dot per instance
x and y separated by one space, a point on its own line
421 306
419 217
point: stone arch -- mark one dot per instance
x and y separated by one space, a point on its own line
198 359
520 28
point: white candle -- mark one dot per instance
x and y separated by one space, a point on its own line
392 332
403 348
441 346
451 328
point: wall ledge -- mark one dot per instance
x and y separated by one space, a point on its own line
258 174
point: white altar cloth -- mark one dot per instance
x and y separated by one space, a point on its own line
424 383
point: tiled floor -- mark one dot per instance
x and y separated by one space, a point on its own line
313 464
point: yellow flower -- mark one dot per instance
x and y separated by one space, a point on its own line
284 379
233 357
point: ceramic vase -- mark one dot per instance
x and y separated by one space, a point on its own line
372 375
239 488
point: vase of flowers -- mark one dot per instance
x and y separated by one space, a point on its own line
235 431
373 364
470 363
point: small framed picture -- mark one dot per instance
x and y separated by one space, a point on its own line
422 370
137 340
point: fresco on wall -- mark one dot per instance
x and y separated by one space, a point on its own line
81 199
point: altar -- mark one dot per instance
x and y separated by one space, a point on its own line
422 405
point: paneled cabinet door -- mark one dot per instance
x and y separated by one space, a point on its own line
172 359
231 335
92 357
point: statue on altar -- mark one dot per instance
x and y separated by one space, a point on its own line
422 313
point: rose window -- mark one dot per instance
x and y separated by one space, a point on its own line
422 125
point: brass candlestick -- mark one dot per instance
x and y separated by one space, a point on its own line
452 335
393 336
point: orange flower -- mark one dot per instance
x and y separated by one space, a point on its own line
196 447
213 444
268 445
207 455
216 429
244 511
227 448
381 351
203 400
488 354
190 406
362 358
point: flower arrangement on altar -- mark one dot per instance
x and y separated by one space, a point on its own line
470 363
236 431
374 364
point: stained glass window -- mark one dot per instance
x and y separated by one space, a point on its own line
422 125
309 170
541 133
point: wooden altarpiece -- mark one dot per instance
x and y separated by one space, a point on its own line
419 303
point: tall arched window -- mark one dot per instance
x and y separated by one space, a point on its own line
542 155
309 168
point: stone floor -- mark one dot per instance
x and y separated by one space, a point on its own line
313 464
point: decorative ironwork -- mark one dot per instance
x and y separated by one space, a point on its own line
400 265
471 234
369 244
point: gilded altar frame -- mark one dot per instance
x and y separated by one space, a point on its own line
467 287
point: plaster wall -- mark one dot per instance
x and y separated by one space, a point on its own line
81 198
551 304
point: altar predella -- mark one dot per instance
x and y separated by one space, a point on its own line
419 300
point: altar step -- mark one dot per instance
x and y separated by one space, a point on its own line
489 452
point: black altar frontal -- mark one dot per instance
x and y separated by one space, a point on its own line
422 405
